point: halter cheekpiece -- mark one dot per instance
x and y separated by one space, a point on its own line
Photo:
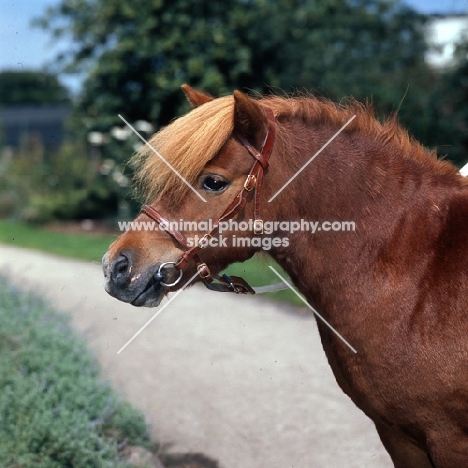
253 181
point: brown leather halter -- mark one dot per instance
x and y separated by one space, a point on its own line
253 181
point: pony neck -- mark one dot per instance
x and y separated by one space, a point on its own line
382 189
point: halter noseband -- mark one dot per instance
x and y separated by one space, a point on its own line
253 181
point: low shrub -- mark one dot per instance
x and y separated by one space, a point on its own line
55 410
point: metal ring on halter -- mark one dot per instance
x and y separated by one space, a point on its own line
168 285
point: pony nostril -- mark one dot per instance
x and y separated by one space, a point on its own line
122 266
121 270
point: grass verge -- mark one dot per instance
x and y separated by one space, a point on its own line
55 410
89 247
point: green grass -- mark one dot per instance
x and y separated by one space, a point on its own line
91 247
55 410
81 246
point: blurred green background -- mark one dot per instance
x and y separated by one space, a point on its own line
63 154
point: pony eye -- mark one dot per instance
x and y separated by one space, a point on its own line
214 183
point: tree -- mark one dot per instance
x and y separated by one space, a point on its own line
31 87
455 108
137 54
443 116
368 49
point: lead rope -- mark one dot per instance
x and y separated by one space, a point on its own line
270 288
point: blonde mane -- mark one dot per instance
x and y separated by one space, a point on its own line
191 141
187 144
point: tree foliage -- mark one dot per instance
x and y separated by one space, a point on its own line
456 96
31 87
137 54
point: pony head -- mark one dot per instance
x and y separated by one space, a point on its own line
191 172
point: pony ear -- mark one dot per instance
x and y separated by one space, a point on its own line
250 119
196 98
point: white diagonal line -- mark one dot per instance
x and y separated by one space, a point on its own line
311 159
157 313
464 170
160 157
313 310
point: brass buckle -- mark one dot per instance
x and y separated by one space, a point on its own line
203 270
250 182
258 226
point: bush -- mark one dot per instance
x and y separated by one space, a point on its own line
72 184
54 410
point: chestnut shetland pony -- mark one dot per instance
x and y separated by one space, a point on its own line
396 288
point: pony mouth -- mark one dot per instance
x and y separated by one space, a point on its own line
151 295
144 288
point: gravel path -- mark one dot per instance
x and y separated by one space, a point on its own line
240 379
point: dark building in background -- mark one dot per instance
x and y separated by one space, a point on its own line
43 124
